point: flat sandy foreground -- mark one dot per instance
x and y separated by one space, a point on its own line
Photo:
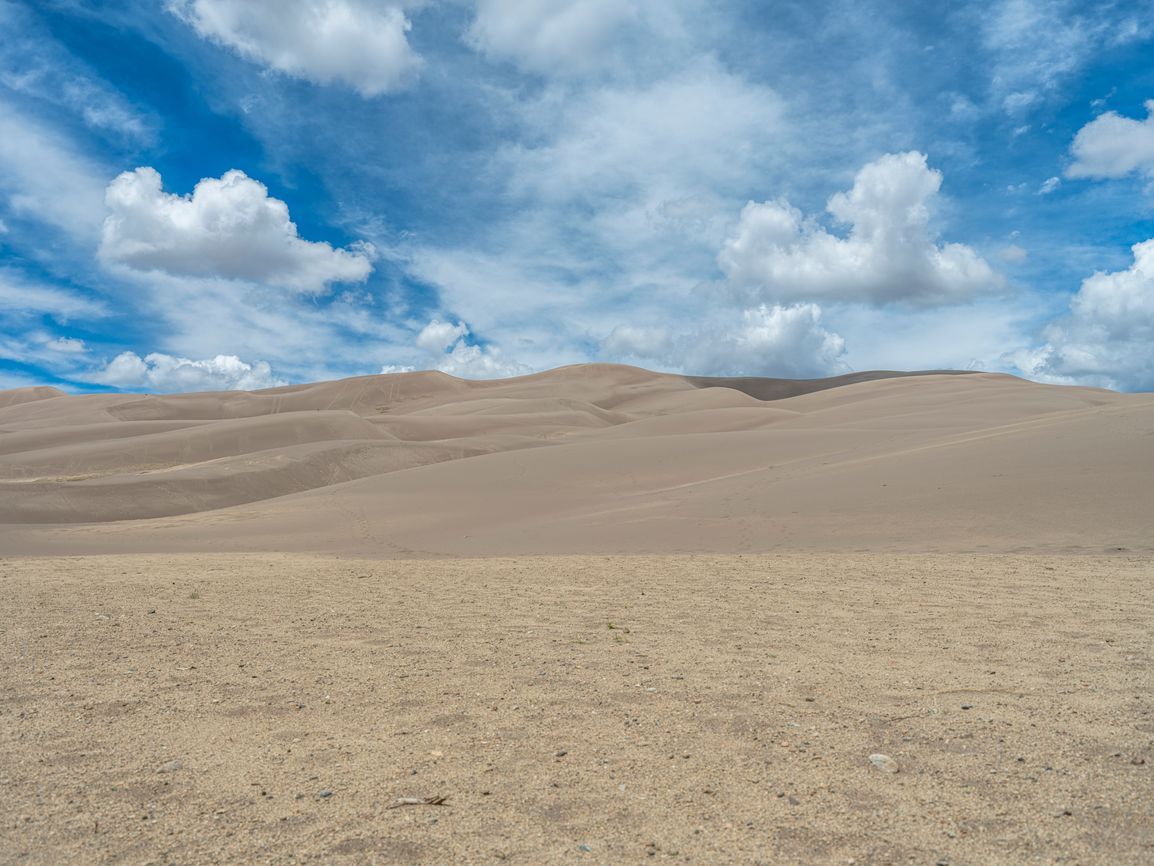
707 709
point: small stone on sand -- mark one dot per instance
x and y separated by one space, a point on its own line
884 763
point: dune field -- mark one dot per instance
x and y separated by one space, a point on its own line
608 615
588 459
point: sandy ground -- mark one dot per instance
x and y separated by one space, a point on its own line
700 709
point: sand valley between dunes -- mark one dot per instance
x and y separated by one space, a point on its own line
609 616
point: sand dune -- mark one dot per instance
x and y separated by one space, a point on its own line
594 458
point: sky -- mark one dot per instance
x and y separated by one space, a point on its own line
223 194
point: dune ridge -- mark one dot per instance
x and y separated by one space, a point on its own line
590 458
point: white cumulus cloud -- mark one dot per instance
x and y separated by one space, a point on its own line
438 336
228 227
359 43
1111 146
1107 337
166 373
890 254
467 361
784 342
449 349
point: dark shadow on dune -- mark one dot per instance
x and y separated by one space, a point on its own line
762 388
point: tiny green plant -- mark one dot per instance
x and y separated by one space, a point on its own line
194 594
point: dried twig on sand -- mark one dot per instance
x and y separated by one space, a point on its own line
417 801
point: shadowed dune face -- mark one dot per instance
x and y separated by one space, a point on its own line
593 458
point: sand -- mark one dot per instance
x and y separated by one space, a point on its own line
611 616
591 459
578 710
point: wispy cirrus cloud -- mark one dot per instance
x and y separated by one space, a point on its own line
1037 45
45 177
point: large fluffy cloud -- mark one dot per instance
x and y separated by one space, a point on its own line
890 254
1106 339
166 373
785 342
228 227
1111 145
359 43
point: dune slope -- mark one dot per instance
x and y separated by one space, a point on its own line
587 459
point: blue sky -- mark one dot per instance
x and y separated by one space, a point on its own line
242 193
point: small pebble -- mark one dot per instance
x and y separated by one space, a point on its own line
325 794
170 767
884 763
561 753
